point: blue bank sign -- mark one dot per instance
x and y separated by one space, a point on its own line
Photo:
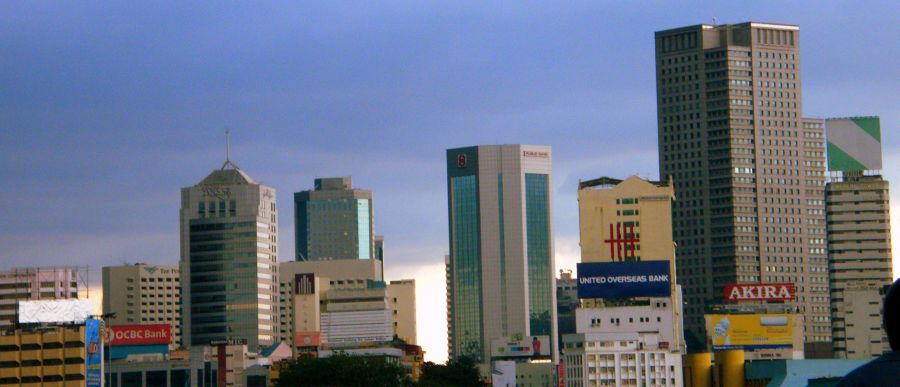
624 279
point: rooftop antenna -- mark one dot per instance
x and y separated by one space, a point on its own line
715 22
227 145
228 151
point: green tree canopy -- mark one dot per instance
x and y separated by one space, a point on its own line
344 371
461 372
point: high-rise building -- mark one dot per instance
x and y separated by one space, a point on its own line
229 259
859 237
501 264
142 294
38 283
747 169
635 336
334 221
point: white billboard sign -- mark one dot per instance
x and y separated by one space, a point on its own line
55 311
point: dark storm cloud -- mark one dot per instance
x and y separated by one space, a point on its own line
107 110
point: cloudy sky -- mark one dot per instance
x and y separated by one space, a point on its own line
107 110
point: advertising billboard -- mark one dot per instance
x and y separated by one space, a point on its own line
93 350
759 292
750 331
854 144
139 334
503 374
55 311
624 279
532 347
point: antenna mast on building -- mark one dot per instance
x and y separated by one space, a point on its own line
228 151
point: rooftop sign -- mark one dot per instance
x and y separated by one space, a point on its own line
760 292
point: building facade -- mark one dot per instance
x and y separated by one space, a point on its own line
344 310
39 283
229 260
501 263
747 169
634 338
333 222
142 294
402 301
857 201
54 356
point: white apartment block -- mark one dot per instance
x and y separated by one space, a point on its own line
633 343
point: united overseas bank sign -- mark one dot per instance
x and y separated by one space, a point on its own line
624 279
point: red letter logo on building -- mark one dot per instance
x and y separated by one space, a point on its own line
621 241
461 160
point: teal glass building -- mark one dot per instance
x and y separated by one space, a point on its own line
333 222
500 267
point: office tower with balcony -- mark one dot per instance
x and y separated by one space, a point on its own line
747 168
500 275
229 260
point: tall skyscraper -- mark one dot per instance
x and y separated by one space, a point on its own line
229 259
334 221
142 294
747 168
859 237
501 265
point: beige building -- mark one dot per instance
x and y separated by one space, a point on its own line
143 294
635 340
402 300
310 298
621 220
747 168
39 283
859 246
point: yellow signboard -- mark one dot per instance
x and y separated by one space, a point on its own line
750 331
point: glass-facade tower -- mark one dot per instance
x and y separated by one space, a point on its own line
334 221
500 266
229 260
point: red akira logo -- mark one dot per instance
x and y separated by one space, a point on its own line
759 292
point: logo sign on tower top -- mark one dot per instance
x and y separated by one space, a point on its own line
461 160
760 292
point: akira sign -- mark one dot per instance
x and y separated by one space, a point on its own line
140 334
759 292
624 279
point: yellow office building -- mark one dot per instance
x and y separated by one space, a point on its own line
622 220
48 357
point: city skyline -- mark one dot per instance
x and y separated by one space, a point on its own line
82 120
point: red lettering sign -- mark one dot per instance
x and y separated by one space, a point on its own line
760 292
461 160
140 334
536 154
